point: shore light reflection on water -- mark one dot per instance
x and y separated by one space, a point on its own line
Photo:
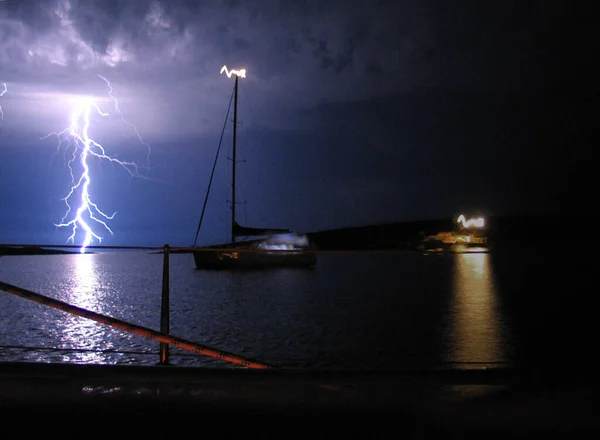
476 334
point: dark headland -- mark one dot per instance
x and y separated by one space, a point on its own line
513 230
32 250
510 231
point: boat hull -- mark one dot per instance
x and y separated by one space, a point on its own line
254 259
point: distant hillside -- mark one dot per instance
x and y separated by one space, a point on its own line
31 250
400 235
385 236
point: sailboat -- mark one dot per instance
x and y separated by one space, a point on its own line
275 247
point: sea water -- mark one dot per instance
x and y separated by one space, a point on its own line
353 311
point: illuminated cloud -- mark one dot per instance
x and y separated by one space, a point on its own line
167 54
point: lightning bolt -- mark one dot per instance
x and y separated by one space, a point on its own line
1 95
81 212
120 115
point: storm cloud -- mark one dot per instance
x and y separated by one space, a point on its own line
166 55
362 111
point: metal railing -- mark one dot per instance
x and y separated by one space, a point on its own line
163 336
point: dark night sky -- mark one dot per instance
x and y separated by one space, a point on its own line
353 112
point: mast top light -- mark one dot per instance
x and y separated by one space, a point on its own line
241 72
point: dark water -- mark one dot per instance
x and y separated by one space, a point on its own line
353 311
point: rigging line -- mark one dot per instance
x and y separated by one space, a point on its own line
212 174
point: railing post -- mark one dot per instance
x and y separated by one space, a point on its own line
164 310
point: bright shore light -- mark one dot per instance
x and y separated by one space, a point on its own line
473 222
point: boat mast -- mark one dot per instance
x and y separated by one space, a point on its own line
233 160
237 73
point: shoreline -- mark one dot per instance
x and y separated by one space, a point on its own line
33 250
501 231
